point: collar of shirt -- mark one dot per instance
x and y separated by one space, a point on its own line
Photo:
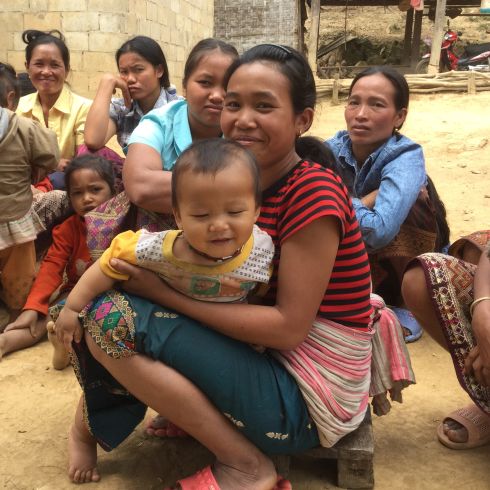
161 101
31 104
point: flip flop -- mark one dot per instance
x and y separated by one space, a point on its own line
160 427
474 421
408 321
205 480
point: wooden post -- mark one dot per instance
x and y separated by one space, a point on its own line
417 32
435 54
335 90
471 83
408 37
314 31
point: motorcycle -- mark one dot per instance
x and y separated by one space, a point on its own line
475 56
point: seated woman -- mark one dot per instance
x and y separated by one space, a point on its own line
144 81
396 204
155 144
186 363
451 300
53 104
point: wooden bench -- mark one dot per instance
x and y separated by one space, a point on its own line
354 454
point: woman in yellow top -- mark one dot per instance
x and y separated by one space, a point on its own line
53 104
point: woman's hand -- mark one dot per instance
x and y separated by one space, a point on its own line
119 83
62 164
27 319
141 282
478 360
369 200
68 328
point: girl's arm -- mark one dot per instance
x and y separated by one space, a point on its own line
147 185
91 284
99 127
307 259
478 361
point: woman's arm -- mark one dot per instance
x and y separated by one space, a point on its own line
146 183
307 260
401 182
478 361
99 127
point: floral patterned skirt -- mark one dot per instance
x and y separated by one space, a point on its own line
252 389
450 285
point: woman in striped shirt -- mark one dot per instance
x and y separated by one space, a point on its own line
311 385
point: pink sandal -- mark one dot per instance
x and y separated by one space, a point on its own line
204 480
474 421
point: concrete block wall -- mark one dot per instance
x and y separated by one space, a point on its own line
246 23
94 29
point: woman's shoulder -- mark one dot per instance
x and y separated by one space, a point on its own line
26 103
399 144
338 140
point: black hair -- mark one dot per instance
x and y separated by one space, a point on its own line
93 162
203 47
402 91
34 38
210 156
294 66
8 83
25 84
442 227
151 51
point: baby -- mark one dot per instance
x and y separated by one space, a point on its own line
218 254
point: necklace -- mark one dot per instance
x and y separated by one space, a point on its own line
215 259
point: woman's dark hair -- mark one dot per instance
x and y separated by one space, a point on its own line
151 51
442 227
402 92
8 83
203 48
210 156
93 162
34 38
294 66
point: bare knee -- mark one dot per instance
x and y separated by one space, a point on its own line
414 288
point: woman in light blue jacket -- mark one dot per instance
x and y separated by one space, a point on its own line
396 204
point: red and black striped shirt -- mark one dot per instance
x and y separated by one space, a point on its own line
306 193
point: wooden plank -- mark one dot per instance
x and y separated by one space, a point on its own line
314 32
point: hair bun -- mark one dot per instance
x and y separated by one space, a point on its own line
31 35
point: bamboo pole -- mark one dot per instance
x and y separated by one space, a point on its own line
435 53
314 32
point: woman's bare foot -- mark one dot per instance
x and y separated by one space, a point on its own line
82 452
61 358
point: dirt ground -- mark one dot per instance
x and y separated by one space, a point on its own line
37 403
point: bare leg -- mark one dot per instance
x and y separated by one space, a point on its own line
417 299
239 465
82 451
17 339
416 296
471 253
61 358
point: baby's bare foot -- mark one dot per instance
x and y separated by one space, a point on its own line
82 455
61 358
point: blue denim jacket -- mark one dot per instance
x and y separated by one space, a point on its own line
396 169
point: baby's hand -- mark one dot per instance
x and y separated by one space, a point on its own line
68 328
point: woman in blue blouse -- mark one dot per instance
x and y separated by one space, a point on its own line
395 202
